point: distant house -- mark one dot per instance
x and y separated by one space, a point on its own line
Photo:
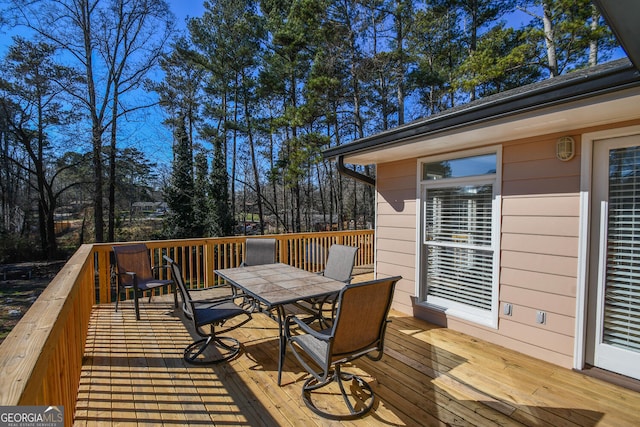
149 207
516 218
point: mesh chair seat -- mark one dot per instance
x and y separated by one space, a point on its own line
207 313
151 284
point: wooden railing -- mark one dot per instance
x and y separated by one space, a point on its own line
199 258
41 359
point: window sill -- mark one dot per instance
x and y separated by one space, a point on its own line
487 319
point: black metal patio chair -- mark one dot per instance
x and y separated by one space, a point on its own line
259 251
339 266
358 330
212 312
134 271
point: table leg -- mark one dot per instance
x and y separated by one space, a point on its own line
283 341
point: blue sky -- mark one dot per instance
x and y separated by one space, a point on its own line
186 8
156 139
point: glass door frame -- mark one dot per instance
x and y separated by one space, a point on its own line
585 306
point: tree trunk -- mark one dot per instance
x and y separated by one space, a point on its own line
549 38
97 188
52 244
96 121
400 73
112 168
274 183
234 162
593 43
254 161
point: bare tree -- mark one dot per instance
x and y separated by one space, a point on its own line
113 44
31 104
131 46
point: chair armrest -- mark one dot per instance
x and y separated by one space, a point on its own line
323 336
132 274
321 273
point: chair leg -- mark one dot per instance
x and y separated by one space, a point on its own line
249 303
364 398
175 295
227 351
136 305
322 320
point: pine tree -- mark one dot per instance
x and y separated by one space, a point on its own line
502 60
221 221
179 194
201 205
435 44
569 34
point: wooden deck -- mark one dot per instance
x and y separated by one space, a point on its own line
133 373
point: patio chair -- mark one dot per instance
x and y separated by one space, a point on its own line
134 271
339 266
259 251
213 313
340 263
358 330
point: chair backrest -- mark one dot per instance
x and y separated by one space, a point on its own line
178 279
361 319
133 258
260 251
340 262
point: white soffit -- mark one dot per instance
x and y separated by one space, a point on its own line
598 111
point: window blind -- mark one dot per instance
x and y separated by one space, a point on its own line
459 256
622 291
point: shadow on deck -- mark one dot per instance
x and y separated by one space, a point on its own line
133 372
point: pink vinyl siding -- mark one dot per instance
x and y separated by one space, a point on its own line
396 228
539 247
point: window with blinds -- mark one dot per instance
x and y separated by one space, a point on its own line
458 249
622 291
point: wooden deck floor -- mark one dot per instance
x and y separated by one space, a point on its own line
134 374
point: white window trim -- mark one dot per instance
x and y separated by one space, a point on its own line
460 311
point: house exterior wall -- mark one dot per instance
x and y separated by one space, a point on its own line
539 248
540 223
396 228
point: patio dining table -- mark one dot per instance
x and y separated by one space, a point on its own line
277 285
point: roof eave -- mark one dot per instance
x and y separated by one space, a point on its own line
519 102
622 18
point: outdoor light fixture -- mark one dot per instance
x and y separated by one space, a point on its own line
565 148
